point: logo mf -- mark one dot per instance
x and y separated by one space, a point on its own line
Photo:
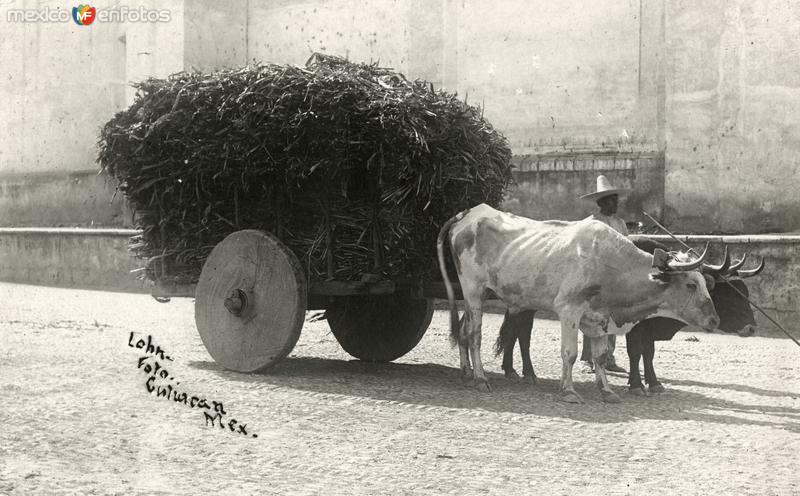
83 15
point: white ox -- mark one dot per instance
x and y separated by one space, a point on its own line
594 278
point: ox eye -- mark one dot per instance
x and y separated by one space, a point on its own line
691 286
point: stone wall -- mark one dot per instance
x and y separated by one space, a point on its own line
549 185
77 198
75 258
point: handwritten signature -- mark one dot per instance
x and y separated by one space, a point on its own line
157 382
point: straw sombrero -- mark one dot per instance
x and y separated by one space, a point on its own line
604 188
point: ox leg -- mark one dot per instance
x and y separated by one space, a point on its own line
649 371
507 338
600 357
525 329
474 340
569 353
463 348
517 327
634 341
586 356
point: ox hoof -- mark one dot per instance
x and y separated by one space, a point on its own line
512 374
610 397
637 391
571 397
483 386
657 388
530 379
746 331
615 368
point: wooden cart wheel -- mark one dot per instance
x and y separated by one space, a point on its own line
379 328
250 301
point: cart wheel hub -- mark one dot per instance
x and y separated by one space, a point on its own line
238 302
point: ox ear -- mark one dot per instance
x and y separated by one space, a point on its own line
710 281
661 277
660 259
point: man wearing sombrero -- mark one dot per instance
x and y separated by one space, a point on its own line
607 197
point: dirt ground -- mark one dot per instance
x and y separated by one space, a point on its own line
77 417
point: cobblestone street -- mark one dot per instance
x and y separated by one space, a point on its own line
77 416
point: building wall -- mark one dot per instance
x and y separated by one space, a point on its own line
733 114
546 72
60 82
289 31
552 72
711 84
710 89
214 35
153 49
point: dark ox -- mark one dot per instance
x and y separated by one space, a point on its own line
594 278
726 288
733 309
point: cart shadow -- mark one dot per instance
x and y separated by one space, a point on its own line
435 385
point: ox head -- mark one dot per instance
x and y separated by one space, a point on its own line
685 294
730 294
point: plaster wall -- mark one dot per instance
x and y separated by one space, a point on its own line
60 82
733 114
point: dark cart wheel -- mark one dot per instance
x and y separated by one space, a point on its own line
379 328
250 301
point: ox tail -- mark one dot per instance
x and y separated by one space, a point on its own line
505 337
451 297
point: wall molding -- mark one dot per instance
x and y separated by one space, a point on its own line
587 161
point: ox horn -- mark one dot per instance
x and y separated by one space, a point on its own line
735 265
752 272
719 269
686 266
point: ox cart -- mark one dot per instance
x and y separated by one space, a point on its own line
268 190
252 295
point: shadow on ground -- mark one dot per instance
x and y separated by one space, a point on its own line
439 386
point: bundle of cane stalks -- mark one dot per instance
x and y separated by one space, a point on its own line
352 166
